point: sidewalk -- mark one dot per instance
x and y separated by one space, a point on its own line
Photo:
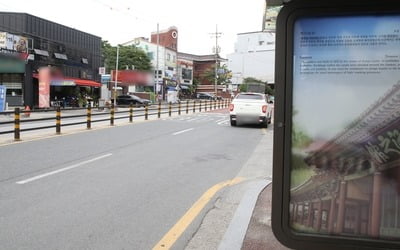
240 216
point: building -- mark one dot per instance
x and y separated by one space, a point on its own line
202 65
254 56
74 55
167 61
167 38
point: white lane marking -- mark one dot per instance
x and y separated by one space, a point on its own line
183 131
220 120
223 122
194 119
62 169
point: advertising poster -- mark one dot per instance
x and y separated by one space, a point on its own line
20 44
2 98
3 40
345 163
44 87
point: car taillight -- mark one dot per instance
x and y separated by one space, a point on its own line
231 107
264 108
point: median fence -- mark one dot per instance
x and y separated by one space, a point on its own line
129 112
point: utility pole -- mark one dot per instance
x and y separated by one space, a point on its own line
116 77
216 35
158 42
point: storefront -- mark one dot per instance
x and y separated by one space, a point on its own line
12 77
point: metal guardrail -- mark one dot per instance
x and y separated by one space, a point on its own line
148 111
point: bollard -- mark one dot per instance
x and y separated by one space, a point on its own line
159 109
16 124
210 105
215 104
200 107
130 113
89 117
219 104
146 112
58 120
205 106
169 109
179 108
112 115
187 107
194 106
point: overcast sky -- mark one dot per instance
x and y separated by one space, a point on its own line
119 21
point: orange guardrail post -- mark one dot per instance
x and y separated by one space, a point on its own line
89 117
112 114
131 113
159 109
58 120
146 112
17 124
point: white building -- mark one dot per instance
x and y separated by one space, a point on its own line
254 56
167 59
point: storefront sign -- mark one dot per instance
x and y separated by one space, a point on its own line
11 65
105 78
44 87
13 42
62 83
3 40
128 77
2 98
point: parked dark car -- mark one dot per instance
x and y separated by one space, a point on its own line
206 96
132 99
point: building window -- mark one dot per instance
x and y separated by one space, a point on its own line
168 57
173 58
261 43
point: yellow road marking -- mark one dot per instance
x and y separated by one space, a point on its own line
176 231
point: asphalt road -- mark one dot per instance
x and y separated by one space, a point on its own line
122 187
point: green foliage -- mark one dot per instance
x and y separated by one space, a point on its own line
223 78
243 87
299 138
252 80
128 56
299 175
151 93
193 87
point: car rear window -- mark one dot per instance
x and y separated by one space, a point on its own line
250 96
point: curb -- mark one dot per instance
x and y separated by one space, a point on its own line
236 232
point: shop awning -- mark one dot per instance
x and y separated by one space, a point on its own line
41 52
67 81
83 82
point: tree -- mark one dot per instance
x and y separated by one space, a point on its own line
251 80
224 75
128 56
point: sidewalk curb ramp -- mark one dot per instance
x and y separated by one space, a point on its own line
236 232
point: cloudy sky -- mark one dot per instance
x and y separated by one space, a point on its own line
121 20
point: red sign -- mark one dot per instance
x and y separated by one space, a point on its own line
44 87
132 77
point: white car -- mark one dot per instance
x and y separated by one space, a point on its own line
250 108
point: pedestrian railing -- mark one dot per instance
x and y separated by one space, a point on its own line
62 119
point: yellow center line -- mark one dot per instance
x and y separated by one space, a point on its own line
176 231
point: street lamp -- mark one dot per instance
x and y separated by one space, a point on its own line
116 77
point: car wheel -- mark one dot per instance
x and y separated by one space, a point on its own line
233 123
265 124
